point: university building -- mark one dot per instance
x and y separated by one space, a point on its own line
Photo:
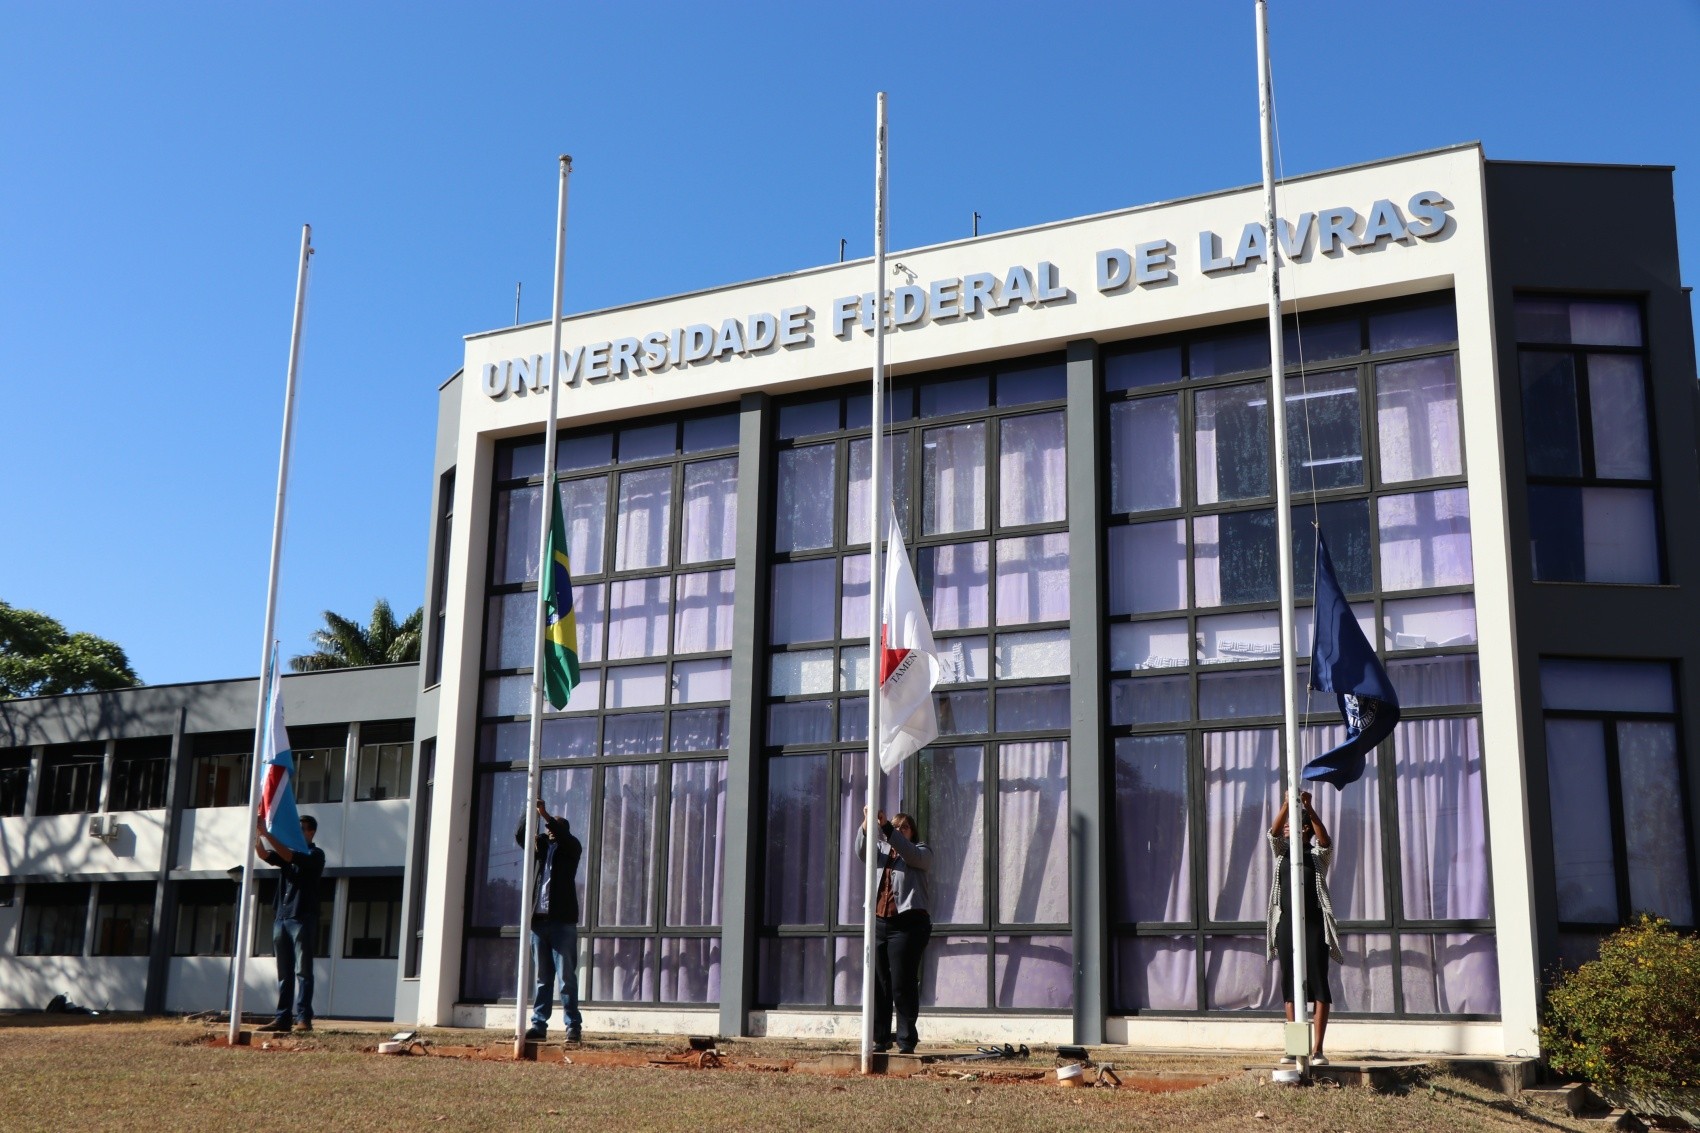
1490 395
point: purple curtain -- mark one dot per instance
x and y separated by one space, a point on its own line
954 585
1417 419
1442 827
953 479
696 842
1238 976
1145 454
1425 539
638 612
584 507
1033 971
690 969
1242 791
806 478
1654 825
709 519
644 519
1033 579
1032 477
1148 567
627 845
702 613
1156 973
1584 863
1446 974
953 973
1033 832
953 817
795 854
620 969
1151 835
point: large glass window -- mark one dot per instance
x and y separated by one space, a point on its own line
636 760
55 920
219 769
14 781
70 779
373 929
1587 441
385 766
983 507
139 772
123 918
1195 648
1622 841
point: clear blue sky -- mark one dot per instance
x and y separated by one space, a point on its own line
159 160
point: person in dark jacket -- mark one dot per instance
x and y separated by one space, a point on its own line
295 922
554 923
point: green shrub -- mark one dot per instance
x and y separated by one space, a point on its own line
1630 1021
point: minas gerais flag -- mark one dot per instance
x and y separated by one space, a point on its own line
560 628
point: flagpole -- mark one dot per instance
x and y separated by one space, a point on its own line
533 772
1283 535
876 526
244 913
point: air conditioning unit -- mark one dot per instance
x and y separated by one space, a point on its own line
103 827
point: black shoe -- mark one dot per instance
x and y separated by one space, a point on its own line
574 1035
303 1027
881 1048
278 1026
536 1034
906 1049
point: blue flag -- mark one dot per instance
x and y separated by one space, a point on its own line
1342 662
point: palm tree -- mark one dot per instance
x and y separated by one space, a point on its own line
344 644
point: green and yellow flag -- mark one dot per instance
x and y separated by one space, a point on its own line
560 632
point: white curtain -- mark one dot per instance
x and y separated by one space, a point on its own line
1033 832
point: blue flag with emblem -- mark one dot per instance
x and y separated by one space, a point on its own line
1342 662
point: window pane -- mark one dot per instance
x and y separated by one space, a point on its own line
644 518
1229 352
954 585
584 509
1242 791
1608 686
1427 623
1552 438
1032 832
803 673
516 536
1363 982
690 969
1319 338
590 611
1253 636
1235 695
802 722
967 713
1417 419
1148 565
1555 533
702 615
1345 526
1456 973
1033 579
1425 540
853 610
803 517
1032 477
510 631
620 969
796 840
520 461
1151 835
1232 438
1433 325
899 406
853 672
701 729
799 614
696 827
953 478
647 442
697 681
894 471
1151 700
636 686
1656 833
1152 367
572 453
1325 444
638 613
1150 645
1442 828
1582 321
1156 973
952 819
1033 971
1584 866
1037 708
704 433
963 659
1041 654
795 969
808 419
961 395
1234 557
1436 682
1046 382
1617 395
1238 975
1145 454
953 972
710 519
628 831
1620 535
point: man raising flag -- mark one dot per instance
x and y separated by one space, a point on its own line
909 664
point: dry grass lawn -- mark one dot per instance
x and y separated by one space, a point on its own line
58 1074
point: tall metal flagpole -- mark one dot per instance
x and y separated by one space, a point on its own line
1283 535
244 914
876 528
528 860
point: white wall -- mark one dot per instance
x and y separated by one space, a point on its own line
58 844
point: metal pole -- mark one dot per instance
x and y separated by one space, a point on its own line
244 897
533 772
517 287
876 527
1283 531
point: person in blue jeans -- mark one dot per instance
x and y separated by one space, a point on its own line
295 922
554 923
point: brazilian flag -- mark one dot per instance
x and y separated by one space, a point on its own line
560 632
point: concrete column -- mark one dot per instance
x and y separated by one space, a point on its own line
38 756
109 756
164 896
742 880
1087 753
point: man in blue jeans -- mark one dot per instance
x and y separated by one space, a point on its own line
295 922
554 923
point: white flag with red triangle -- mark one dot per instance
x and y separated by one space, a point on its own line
909 664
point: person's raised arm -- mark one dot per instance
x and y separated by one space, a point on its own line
921 857
269 847
862 837
1279 827
1315 820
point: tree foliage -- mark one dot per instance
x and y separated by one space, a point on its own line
1631 1019
39 657
345 643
